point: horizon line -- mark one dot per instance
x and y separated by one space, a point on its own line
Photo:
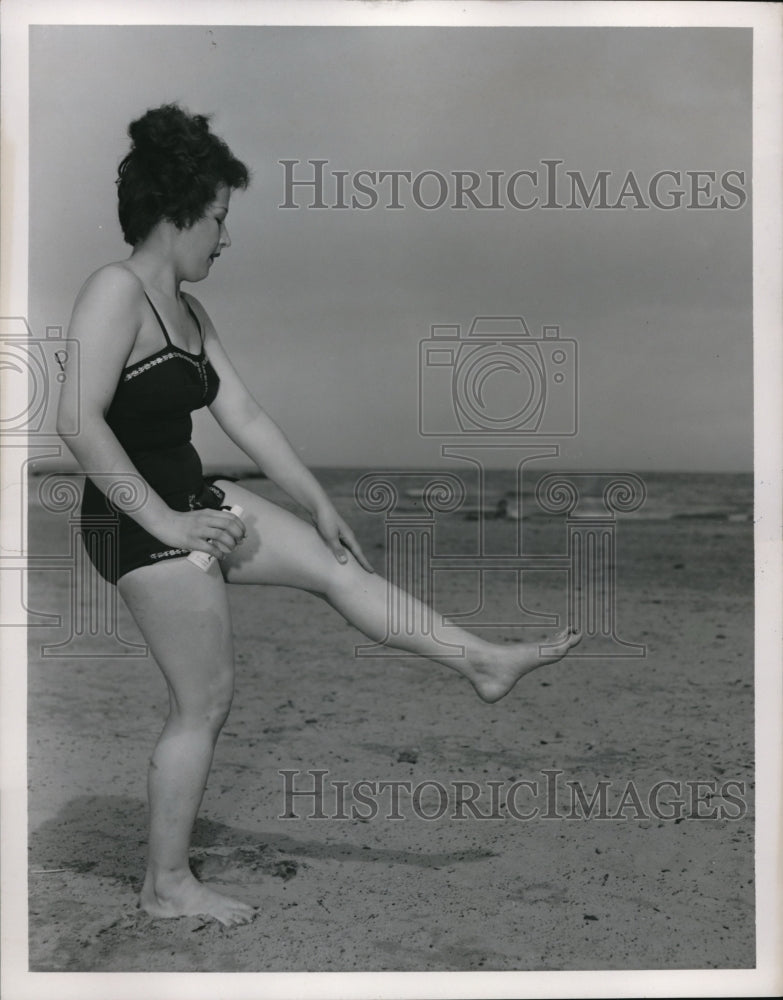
252 472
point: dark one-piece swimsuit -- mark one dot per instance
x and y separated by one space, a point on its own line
150 416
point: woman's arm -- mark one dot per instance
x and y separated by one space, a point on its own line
106 319
257 434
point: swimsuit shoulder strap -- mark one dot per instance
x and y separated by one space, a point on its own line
195 317
157 317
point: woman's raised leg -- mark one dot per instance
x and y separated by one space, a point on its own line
282 549
184 617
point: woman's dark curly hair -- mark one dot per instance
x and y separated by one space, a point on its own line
172 171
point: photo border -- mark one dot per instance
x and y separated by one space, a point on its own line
767 978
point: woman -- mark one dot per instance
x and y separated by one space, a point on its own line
150 355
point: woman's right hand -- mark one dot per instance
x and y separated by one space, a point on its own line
216 532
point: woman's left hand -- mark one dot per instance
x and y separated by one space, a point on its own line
338 536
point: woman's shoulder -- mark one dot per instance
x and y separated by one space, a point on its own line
111 298
115 284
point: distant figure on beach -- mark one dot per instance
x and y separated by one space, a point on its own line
149 356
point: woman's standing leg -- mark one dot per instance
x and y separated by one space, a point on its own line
282 549
184 617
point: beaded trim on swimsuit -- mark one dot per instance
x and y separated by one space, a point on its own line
168 553
146 365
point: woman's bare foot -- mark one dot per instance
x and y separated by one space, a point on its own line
185 896
497 673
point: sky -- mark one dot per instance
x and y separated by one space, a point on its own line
323 310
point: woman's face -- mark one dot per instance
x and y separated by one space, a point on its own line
201 243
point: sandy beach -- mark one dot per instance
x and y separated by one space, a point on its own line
630 890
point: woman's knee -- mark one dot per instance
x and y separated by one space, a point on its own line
218 708
206 706
340 580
